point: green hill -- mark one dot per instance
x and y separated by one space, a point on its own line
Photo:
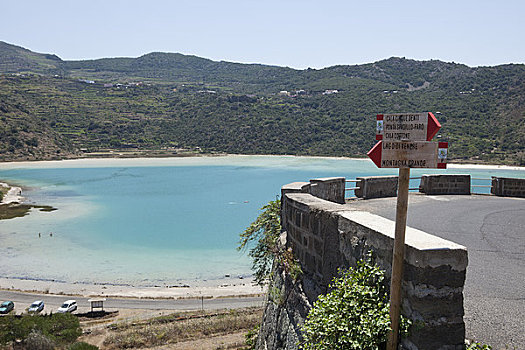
173 100
15 59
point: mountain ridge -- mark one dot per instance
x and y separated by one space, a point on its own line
206 70
173 100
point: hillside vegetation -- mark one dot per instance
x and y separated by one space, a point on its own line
52 108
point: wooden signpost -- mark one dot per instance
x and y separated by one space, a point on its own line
404 144
407 126
409 154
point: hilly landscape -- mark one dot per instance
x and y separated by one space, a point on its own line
169 103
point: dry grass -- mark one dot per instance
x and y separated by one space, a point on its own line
179 327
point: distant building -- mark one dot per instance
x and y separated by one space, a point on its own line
284 93
330 92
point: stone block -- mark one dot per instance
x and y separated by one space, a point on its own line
445 184
329 188
508 187
376 186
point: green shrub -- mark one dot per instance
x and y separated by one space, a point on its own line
37 341
82 346
251 337
58 328
265 232
354 314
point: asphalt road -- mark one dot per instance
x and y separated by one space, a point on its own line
53 302
493 230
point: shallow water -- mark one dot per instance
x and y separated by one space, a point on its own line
154 222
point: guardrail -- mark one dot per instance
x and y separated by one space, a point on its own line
351 190
477 186
411 182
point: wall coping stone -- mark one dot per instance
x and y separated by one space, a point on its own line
316 202
427 249
327 179
423 249
297 186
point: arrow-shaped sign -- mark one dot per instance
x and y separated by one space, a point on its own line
407 126
409 154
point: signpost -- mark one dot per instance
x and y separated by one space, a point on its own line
409 154
407 126
404 144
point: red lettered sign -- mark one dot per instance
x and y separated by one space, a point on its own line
409 154
407 126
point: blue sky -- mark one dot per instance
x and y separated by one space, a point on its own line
292 33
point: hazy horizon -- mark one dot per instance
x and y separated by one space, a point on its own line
295 34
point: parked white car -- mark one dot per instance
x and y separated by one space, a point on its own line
68 306
36 307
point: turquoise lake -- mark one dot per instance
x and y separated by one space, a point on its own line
160 221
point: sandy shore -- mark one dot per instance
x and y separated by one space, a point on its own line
222 288
245 160
231 159
13 195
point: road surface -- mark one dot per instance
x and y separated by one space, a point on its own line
52 302
493 230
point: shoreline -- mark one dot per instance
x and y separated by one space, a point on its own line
210 159
13 195
233 287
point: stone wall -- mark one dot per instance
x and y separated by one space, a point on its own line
325 236
445 184
376 187
329 188
508 187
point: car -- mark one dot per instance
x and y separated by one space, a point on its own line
6 307
68 306
36 307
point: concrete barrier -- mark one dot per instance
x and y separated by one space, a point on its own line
329 188
376 187
508 187
445 184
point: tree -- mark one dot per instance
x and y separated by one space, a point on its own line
264 231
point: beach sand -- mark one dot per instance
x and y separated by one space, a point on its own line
13 195
245 160
222 288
